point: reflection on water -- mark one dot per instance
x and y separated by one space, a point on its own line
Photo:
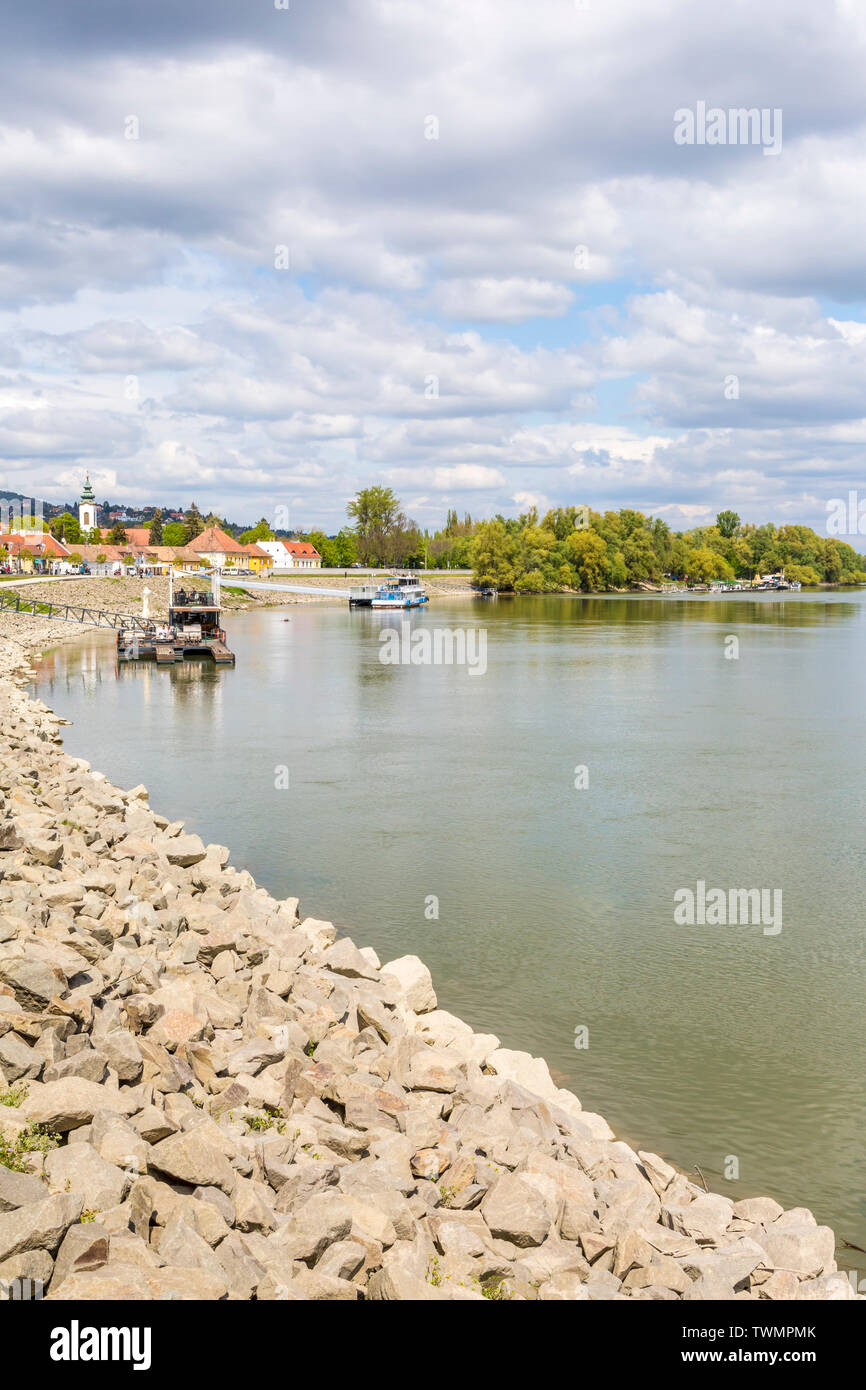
556 904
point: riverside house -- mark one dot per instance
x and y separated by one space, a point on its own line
144 559
223 552
292 555
217 548
33 553
257 559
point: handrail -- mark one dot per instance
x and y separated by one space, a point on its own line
70 613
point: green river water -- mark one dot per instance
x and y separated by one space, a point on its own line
706 1043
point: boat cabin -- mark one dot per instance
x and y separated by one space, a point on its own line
194 617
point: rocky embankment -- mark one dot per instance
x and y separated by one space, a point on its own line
206 1097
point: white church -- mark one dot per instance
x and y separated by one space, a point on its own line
87 510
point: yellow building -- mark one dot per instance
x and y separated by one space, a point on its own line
255 559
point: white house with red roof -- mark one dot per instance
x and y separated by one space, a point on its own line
292 555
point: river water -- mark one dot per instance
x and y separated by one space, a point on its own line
414 789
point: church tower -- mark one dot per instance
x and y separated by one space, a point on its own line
87 507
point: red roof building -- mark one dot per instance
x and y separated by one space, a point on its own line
36 550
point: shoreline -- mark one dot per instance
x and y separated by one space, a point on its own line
299 1120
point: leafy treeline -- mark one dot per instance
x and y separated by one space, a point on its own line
574 548
568 548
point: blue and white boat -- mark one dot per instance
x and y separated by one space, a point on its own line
400 591
397 591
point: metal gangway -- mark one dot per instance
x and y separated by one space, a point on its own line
72 613
270 585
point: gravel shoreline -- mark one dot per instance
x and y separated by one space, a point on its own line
207 1097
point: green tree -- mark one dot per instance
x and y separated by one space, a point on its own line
588 554
260 532
345 548
66 527
193 522
537 547
728 524
703 565
617 570
174 533
325 546
117 535
376 514
494 554
532 582
154 535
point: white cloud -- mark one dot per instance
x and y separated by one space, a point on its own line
463 477
503 301
620 278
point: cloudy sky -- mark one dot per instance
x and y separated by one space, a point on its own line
259 257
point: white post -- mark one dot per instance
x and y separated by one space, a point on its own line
145 604
216 587
171 586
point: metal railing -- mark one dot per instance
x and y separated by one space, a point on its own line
69 613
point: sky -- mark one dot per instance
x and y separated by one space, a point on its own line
258 257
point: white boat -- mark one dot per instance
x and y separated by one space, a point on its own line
392 595
398 591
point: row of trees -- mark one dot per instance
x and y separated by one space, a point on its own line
383 535
568 548
572 549
575 548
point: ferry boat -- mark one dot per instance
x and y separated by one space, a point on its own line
397 591
193 629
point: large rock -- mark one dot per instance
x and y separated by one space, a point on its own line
120 1282
19 1189
78 1168
18 1060
182 1246
185 850
123 1055
26 1275
38 1225
530 1072
809 1250
516 1211
660 1173
761 1209
188 1157
414 982
65 1105
705 1219
88 1064
85 1247
324 1218
34 981
345 959
153 1124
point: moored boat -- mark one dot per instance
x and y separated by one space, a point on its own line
397 591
